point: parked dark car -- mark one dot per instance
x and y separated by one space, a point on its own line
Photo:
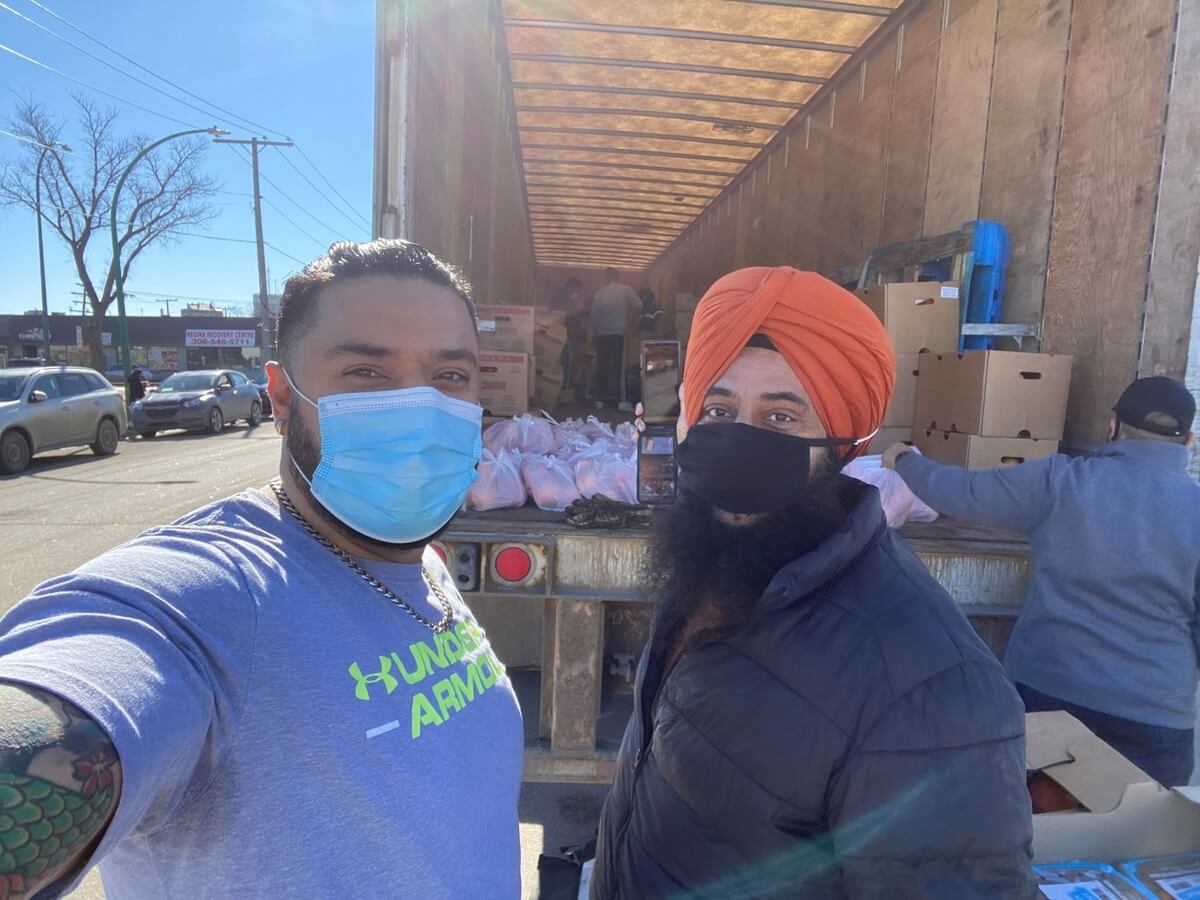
197 401
25 363
53 407
260 382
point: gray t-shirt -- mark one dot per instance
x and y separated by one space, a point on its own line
612 307
283 729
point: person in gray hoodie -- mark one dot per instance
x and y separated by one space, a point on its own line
1110 630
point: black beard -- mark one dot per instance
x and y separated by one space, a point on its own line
696 557
305 452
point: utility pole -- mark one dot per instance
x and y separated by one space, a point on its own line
264 302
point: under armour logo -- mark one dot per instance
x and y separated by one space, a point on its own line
383 676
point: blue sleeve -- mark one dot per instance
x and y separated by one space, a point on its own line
153 641
1014 497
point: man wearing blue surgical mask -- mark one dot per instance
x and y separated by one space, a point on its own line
282 694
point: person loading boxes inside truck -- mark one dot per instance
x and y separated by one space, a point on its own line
614 307
1109 631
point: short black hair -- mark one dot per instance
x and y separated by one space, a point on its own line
345 261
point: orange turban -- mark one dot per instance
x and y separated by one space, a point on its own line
832 341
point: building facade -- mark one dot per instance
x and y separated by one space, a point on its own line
172 343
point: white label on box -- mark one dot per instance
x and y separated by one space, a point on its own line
1186 887
487 326
1080 890
949 293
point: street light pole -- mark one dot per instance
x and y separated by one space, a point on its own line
118 275
37 202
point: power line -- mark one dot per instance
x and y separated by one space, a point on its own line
21 137
104 62
281 253
242 154
150 72
233 240
93 88
287 219
321 175
249 122
324 196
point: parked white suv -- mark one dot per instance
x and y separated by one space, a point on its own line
52 407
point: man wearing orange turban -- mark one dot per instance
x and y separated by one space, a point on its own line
813 714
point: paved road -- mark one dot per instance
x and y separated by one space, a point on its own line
71 506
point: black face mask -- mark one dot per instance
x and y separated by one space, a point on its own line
742 469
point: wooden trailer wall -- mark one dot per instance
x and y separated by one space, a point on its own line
448 174
1076 124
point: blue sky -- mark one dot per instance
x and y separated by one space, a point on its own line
301 67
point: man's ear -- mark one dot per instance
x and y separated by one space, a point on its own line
281 394
1191 439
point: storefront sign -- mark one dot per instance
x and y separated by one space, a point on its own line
106 339
78 335
33 335
219 337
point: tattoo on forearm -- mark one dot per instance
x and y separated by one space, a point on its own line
59 782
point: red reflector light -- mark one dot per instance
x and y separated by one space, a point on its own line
440 550
513 564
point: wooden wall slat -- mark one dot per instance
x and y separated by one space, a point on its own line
870 141
960 119
1177 225
1107 173
911 125
1022 142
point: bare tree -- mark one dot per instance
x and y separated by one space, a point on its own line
167 193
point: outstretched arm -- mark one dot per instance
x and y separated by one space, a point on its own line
59 783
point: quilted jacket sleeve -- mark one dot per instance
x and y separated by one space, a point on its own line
932 802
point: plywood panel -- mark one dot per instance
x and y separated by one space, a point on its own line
722 54
540 98
818 161
911 123
1177 225
725 16
1022 141
1104 202
960 115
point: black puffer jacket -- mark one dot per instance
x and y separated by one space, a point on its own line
855 740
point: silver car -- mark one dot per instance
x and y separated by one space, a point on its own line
198 401
51 407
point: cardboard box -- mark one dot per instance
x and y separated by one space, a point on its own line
974 452
902 411
506 329
919 315
549 339
994 393
548 384
1114 812
504 383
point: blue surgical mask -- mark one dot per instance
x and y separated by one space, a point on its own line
395 465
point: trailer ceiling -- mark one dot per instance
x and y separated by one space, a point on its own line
634 115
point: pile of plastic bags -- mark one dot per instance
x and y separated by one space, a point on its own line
900 505
554 463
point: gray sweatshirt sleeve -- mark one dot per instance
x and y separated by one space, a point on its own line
1015 497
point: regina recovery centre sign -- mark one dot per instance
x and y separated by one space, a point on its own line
219 337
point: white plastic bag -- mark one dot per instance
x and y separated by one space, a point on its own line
499 485
900 504
524 434
550 482
608 473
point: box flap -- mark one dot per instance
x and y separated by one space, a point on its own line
1062 748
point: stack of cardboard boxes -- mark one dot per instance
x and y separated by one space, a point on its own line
549 339
520 357
506 372
922 319
989 408
981 409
